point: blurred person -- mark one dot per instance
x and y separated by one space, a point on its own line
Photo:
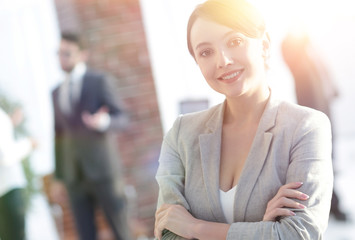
252 167
314 84
12 176
87 113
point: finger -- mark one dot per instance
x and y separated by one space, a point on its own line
160 213
292 185
278 212
84 119
280 192
87 121
286 197
159 227
289 203
103 109
166 211
291 193
161 209
157 234
287 189
85 116
158 217
162 216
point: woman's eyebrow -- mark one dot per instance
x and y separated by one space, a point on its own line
201 45
229 33
223 37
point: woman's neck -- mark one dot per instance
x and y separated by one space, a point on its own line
246 109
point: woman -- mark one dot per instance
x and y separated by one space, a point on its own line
252 167
12 177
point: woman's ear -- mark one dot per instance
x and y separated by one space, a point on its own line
266 45
266 49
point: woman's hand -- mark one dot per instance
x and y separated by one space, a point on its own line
174 218
277 206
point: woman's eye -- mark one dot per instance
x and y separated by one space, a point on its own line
235 42
206 52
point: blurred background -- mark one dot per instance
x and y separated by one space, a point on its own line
143 44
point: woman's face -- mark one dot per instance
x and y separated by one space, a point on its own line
231 63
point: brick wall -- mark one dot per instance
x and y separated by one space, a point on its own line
117 44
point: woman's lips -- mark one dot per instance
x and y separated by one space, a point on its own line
230 76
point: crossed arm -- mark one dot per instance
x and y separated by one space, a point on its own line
284 217
178 220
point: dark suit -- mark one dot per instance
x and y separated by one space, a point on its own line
87 160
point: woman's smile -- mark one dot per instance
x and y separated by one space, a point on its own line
231 76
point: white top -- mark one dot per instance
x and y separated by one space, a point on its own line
227 202
11 154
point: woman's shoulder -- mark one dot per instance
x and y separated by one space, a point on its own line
289 113
198 122
203 115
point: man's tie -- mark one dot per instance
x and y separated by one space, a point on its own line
72 96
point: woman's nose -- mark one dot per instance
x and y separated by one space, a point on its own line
224 59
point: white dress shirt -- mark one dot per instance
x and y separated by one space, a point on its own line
73 82
12 152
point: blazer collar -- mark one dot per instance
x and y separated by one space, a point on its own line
255 160
215 121
210 148
267 121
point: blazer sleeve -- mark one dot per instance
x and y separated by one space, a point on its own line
171 175
310 160
119 118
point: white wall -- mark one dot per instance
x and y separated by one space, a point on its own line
29 68
177 77
330 24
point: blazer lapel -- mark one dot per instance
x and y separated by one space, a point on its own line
210 145
255 160
60 116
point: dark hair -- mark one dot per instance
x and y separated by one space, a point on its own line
74 38
239 15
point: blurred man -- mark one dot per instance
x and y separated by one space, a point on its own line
313 84
86 112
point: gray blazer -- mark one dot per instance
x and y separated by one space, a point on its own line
292 143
